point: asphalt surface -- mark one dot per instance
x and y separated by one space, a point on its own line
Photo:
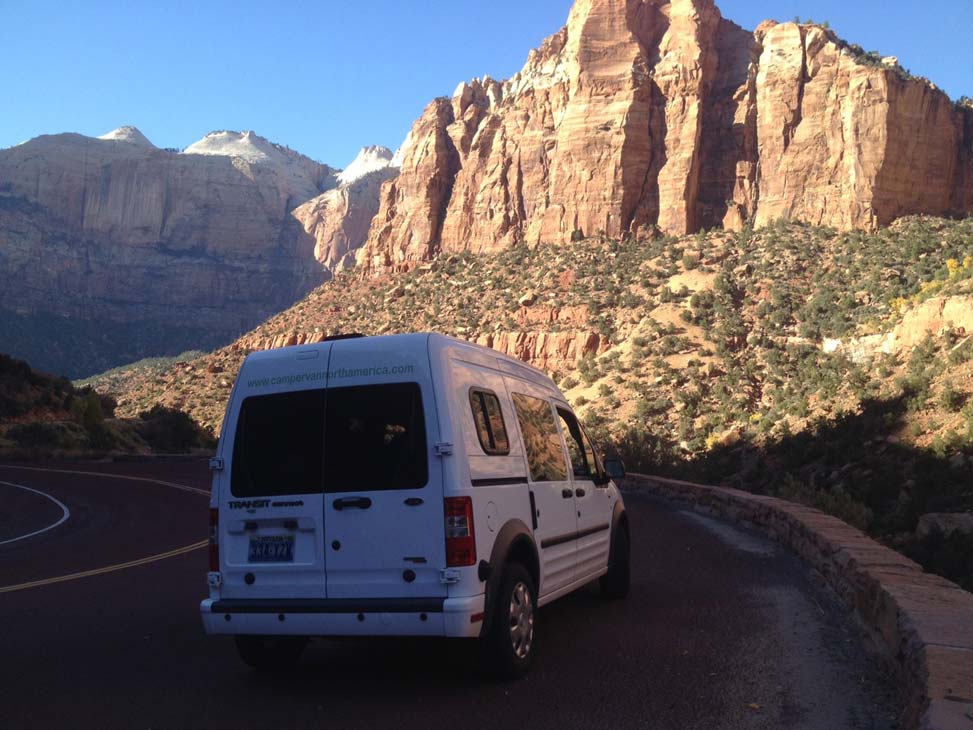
722 630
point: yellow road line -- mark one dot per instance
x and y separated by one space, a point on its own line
183 487
106 569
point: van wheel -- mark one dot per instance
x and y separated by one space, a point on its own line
615 583
270 653
511 643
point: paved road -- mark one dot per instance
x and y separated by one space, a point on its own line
722 630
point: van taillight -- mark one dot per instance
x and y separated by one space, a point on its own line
460 540
214 540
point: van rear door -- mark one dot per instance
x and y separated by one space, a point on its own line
271 502
383 482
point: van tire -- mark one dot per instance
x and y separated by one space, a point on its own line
616 582
270 653
511 643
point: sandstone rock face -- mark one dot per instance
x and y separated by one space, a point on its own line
660 113
410 212
115 231
549 351
339 220
934 317
848 145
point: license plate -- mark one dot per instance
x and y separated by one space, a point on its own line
271 549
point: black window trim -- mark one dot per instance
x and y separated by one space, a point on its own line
491 449
592 469
600 477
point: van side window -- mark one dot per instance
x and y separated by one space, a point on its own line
545 455
279 445
582 456
490 428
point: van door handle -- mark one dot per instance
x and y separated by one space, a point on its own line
567 493
579 492
346 502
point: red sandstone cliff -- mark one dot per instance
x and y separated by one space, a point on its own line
660 113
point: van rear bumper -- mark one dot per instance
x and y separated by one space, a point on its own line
344 617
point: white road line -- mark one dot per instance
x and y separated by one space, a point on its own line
107 568
65 513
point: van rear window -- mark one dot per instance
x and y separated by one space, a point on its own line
375 438
279 445
354 439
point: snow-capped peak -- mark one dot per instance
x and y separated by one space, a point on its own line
245 145
306 178
368 160
127 134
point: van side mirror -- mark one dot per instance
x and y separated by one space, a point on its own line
615 468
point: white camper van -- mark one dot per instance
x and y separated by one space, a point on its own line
406 485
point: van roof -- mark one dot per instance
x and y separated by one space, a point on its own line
420 343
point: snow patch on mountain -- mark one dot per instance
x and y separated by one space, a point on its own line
247 146
402 150
306 178
127 134
370 159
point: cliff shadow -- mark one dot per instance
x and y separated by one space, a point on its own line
855 467
640 181
726 140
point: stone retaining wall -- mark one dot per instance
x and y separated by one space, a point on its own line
922 621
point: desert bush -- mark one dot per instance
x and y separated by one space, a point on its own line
48 435
169 430
952 399
836 502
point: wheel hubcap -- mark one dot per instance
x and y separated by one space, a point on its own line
521 620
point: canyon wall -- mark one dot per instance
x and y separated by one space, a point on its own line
646 115
119 250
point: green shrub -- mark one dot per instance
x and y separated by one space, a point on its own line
836 502
169 430
952 399
48 435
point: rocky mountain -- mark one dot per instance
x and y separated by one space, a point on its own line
117 250
339 219
645 115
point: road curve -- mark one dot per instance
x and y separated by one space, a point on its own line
722 630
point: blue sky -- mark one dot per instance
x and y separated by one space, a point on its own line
328 77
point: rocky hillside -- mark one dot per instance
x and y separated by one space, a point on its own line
42 415
663 114
830 368
115 249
